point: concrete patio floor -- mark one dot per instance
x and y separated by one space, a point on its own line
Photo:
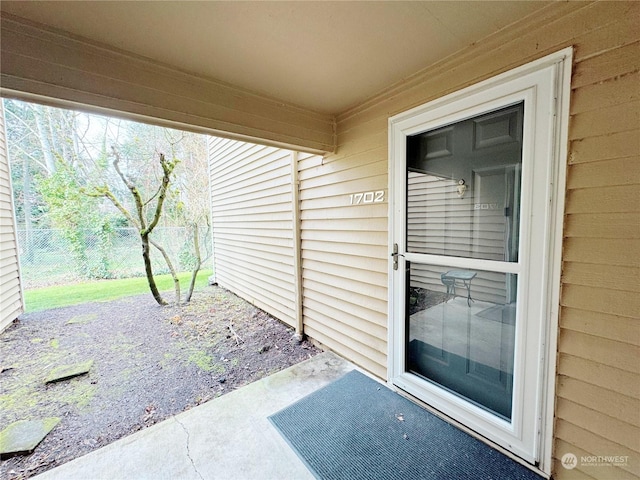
226 438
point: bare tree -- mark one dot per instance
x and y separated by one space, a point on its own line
144 225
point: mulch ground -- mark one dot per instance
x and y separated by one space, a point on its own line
149 362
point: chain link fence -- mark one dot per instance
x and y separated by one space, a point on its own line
49 257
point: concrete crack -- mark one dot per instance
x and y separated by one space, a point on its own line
188 451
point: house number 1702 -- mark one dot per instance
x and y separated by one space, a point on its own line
366 197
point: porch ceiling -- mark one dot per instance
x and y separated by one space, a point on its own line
322 56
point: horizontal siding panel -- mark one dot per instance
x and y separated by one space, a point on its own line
337 175
8 249
276 266
360 275
10 293
590 371
355 356
283 226
275 285
244 198
618 199
608 352
266 303
353 237
612 277
256 160
617 431
614 63
341 201
617 32
343 289
241 242
594 149
275 296
601 95
349 261
267 175
349 140
350 145
7 261
258 185
323 296
598 446
11 301
9 275
327 314
317 167
358 354
613 404
621 329
10 314
604 121
373 183
603 225
620 171
315 318
356 250
275 219
264 234
347 224
252 216
378 210
616 251
279 203
600 300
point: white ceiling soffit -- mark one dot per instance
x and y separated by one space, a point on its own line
323 56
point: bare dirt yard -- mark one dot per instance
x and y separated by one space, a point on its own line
149 363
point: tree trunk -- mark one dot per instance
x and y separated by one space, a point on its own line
174 275
146 254
196 268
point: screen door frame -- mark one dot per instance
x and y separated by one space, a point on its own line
544 86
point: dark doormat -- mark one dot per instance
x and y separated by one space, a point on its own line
355 428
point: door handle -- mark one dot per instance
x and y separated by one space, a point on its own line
395 256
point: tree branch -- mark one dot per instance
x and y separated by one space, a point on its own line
167 169
132 188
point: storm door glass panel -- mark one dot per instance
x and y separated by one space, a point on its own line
461 333
463 185
463 201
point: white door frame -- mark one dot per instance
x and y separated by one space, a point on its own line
545 85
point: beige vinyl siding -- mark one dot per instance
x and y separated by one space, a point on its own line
598 396
251 203
11 302
344 255
47 65
598 368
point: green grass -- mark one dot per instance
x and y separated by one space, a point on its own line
105 290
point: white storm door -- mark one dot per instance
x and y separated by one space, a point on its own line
471 178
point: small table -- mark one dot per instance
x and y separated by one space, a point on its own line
460 278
